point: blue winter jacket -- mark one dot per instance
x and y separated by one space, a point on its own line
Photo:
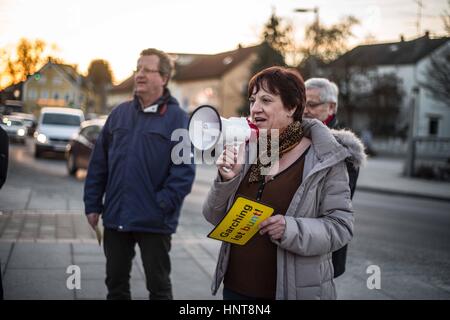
131 165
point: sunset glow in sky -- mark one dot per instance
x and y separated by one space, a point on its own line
118 30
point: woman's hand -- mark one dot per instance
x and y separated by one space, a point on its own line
230 162
274 226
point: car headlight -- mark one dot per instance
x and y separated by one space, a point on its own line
41 138
21 132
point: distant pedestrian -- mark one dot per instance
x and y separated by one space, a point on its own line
322 104
4 150
367 139
144 190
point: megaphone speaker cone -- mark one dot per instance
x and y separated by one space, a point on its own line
205 127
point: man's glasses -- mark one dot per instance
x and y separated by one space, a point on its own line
146 71
313 105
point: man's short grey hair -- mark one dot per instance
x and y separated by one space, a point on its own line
329 91
165 63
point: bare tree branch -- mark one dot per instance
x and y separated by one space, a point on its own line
446 18
438 77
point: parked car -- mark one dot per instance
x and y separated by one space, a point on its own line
56 126
15 128
28 119
79 149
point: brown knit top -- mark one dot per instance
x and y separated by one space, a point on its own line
252 268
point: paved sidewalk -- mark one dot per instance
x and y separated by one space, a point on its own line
37 248
38 244
385 175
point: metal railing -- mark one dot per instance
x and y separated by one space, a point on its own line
430 157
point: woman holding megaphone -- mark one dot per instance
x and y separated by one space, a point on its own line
305 181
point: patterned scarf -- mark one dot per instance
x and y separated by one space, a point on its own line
288 139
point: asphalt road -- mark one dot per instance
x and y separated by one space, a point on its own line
407 238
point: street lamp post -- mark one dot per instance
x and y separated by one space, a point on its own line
315 10
316 34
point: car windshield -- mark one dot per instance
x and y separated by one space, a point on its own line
14 123
61 119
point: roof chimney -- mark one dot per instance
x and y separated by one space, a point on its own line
402 38
427 34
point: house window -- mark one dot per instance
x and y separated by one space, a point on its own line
205 96
44 94
244 88
185 103
227 60
433 126
57 80
56 96
32 94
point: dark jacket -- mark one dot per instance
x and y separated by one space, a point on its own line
131 164
340 256
352 167
4 147
4 150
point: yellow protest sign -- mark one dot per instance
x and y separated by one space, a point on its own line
241 221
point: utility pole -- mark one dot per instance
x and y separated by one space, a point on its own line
411 152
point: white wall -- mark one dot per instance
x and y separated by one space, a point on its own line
191 94
113 100
426 106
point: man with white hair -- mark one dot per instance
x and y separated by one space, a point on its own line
322 100
322 104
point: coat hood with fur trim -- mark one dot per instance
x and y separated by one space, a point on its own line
353 144
326 140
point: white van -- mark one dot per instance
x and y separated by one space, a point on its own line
56 126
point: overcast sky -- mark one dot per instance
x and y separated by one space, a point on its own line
118 30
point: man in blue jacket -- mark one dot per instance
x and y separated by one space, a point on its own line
144 189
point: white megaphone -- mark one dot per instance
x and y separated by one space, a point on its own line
207 128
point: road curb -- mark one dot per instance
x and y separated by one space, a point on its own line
402 193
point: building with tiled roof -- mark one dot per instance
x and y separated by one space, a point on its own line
393 53
217 79
58 85
124 90
408 61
